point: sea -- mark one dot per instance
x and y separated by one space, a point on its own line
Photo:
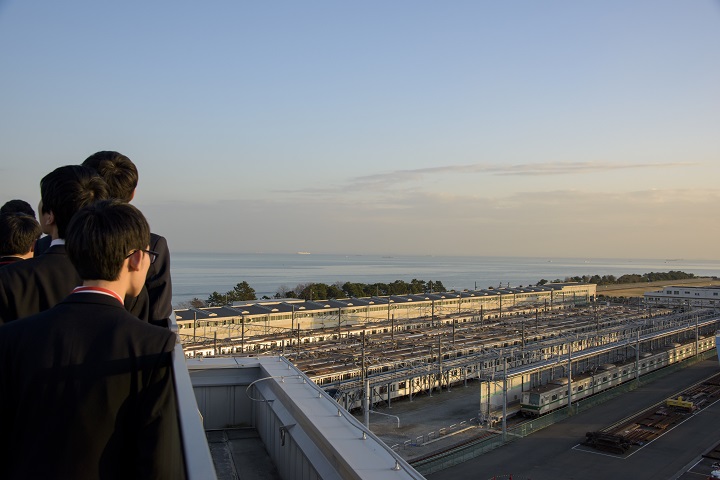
197 275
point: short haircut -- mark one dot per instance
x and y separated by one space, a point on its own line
18 233
17 206
100 237
118 171
67 189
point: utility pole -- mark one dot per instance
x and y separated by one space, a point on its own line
366 384
505 391
440 369
242 334
569 376
432 313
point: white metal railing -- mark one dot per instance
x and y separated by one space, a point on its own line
196 452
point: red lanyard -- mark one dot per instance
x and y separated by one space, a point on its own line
100 290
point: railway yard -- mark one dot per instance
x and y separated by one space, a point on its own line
466 375
626 436
527 347
686 450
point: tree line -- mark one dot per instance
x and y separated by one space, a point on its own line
628 278
317 291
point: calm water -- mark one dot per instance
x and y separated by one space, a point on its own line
198 275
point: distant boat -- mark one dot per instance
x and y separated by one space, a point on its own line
303 253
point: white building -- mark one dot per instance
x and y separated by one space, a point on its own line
679 296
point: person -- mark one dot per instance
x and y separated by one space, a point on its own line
87 389
154 304
18 234
37 284
21 206
17 206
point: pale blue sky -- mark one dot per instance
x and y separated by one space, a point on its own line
523 128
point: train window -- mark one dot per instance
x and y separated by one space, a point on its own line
614 375
401 385
554 397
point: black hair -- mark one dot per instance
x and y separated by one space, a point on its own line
18 233
67 189
17 206
118 171
100 237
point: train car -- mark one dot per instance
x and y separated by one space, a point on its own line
554 395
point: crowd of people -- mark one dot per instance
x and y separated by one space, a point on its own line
85 352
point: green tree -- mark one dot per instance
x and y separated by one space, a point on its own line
398 287
334 291
242 292
284 292
436 286
216 300
417 286
312 291
354 289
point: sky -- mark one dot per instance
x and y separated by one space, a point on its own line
522 128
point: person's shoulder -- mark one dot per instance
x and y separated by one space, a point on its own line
157 241
145 332
20 267
34 265
108 315
30 324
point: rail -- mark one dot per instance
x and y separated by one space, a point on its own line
196 452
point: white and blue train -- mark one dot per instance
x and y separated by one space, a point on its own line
554 395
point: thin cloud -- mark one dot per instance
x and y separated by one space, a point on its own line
527 169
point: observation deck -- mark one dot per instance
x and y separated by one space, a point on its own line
261 418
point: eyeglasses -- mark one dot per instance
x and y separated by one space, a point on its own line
152 254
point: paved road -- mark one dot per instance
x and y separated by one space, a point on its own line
428 414
550 454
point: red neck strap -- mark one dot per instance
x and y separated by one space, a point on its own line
100 290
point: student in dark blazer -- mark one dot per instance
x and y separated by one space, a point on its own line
154 303
36 284
18 206
87 389
18 234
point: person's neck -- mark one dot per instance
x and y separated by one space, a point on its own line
116 286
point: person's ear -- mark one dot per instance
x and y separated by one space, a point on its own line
135 261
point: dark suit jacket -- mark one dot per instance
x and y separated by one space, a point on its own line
42 244
87 392
36 284
154 304
7 260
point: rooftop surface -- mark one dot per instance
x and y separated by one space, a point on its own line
303 431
